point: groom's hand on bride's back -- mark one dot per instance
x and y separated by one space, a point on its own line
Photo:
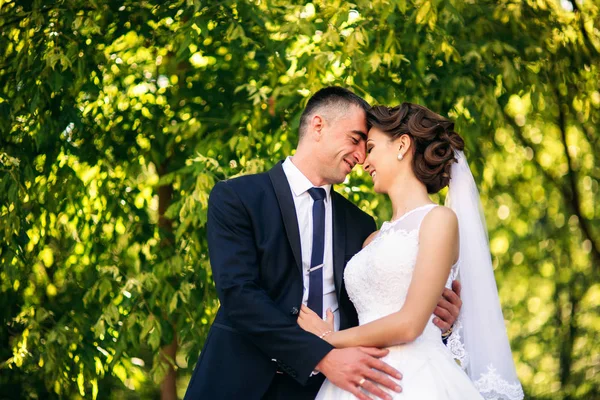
356 368
448 307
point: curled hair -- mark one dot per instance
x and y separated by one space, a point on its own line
433 138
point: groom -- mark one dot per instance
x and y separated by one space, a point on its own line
281 239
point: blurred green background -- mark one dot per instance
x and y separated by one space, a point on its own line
117 118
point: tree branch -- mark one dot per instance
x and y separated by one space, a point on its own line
570 193
27 14
572 178
526 143
586 38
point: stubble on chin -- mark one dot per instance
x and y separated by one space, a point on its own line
336 179
342 178
334 175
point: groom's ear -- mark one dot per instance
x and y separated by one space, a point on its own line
317 123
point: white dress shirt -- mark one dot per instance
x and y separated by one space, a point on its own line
304 203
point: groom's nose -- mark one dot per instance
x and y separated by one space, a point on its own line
360 154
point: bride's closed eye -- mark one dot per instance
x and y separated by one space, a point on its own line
369 148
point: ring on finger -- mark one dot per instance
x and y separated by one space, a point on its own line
360 383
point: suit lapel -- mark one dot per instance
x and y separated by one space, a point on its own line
288 210
339 241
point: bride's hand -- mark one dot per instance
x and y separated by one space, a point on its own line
311 322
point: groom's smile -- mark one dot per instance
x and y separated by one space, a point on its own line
350 166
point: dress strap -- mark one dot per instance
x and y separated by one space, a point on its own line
431 207
409 221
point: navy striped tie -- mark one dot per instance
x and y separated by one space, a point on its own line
315 289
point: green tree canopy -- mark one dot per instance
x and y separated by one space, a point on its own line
117 118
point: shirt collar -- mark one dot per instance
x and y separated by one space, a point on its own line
299 183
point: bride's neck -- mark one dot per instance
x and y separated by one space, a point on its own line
406 194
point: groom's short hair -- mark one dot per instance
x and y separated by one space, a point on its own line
330 100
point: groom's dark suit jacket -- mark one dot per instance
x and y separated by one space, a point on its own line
255 348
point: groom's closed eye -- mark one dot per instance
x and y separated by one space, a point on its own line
358 136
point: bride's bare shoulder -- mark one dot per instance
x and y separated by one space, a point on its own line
370 239
440 216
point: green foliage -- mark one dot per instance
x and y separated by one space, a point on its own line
117 118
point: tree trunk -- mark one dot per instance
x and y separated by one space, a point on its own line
168 387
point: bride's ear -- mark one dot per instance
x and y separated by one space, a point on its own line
403 144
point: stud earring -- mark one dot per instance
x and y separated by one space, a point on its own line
400 157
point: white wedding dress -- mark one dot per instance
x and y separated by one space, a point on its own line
377 279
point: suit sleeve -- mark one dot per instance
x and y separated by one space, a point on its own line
372 225
235 265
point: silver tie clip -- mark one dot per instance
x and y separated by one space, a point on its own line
315 268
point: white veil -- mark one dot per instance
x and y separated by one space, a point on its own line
479 341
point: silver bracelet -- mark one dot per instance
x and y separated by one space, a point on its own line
322 335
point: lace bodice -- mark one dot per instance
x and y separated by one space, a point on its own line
378 277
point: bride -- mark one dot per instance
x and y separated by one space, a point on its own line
397 279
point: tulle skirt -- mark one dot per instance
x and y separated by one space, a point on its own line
429 373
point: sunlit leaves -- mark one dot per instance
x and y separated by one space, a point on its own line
117 120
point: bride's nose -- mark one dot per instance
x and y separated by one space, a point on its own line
366 165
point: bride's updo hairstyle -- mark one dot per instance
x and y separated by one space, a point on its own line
433 140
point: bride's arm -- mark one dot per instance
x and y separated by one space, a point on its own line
438 250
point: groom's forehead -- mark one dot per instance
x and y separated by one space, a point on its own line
356 114
358 117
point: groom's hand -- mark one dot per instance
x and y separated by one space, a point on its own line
448 307
357 369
